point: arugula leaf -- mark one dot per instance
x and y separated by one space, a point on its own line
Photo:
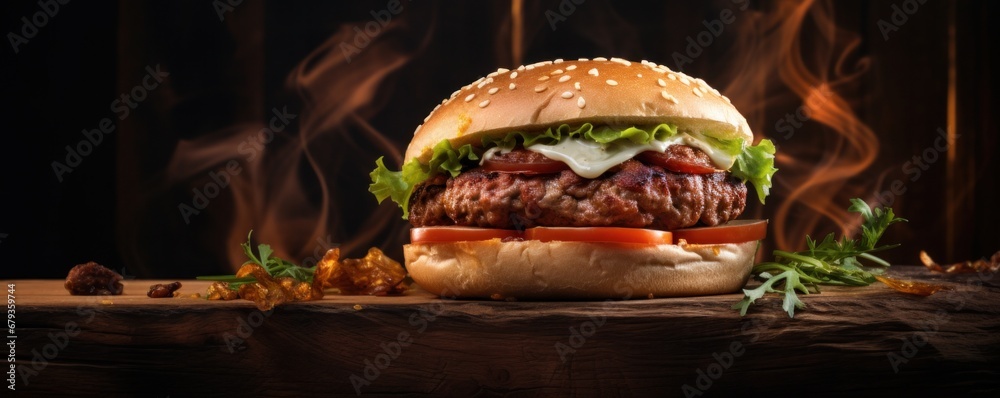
791 301
876 222
264 250
275 266
826 262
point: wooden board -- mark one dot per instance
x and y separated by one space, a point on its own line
864 341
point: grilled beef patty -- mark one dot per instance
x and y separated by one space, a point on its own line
632 194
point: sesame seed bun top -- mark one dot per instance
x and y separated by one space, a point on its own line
599 91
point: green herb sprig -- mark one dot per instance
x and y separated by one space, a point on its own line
275 266
827 262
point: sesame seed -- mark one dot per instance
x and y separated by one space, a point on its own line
611 82
685 80
697 92
592 72
503 70
493 74
512 86
455 94
582 59
541 87
417 130
581 103
621 61
661 82
558 61
529 67
571 67
638 75
476 82
556 72
567 94
522 67
484 82
600 59
672 76
543 78
513 75
667 96
564 78
428 117
493 90
470 97
484 103
577 86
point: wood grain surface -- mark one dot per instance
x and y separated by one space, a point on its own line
858 341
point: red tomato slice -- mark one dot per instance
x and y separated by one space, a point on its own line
458 234
600 234
523 162
737 231
676 165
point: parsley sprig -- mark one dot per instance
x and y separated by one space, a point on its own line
275 266
827 262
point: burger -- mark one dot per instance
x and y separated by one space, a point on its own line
587 179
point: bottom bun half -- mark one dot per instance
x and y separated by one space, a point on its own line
534 270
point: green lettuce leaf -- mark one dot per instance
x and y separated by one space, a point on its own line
398 185
732 147
755 164
599 134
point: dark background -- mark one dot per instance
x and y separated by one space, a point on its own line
307 187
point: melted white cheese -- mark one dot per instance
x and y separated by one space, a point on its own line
492 152
590 159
